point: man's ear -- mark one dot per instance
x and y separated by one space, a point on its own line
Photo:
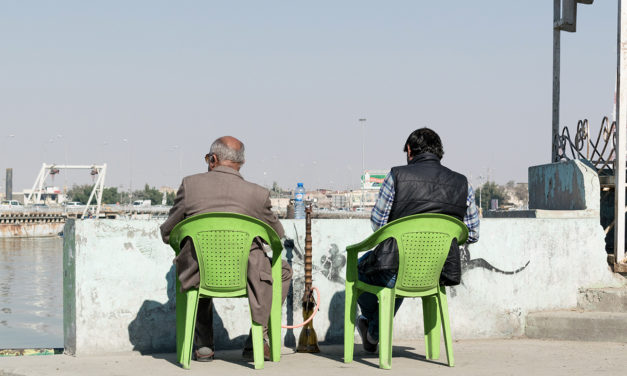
408 152
213 161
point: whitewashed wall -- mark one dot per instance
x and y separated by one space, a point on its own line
119 281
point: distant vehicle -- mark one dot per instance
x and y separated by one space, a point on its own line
141 203
72 203
13 203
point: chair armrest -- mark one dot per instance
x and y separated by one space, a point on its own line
370 242
352 251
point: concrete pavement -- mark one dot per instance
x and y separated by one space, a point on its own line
472 357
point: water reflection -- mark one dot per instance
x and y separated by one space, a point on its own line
31 292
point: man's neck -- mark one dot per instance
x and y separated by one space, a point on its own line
423 157
230 164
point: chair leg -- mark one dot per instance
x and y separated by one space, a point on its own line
350 308
181 303
431 320
274 335
257 332
274 325
189 323
446 327
386 318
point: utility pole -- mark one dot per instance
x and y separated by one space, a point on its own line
362 121
564 19
621 138
556 79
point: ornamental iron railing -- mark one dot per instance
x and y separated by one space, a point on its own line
599 151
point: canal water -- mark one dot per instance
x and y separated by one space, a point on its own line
31 292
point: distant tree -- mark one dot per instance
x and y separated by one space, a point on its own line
110 195
149 193
170 198
488 191
521 191
80 193
276 190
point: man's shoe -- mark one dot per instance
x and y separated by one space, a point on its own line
248 353
203 354
362 328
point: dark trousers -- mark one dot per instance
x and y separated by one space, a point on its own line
368 302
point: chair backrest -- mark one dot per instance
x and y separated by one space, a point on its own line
222 242
423 243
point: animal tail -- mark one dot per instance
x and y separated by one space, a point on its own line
481 263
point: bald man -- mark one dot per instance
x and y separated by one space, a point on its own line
222 189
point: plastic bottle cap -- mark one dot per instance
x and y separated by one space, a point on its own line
299 184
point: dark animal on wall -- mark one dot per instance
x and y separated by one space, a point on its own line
468 263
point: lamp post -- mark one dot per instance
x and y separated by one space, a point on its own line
130 171
362 121
480 188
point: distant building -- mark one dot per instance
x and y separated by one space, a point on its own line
340 201
279 204
49 196
363 198
166 189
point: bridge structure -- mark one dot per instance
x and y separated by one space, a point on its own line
99 171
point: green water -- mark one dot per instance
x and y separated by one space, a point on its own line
31 292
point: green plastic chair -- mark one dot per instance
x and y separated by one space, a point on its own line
222 242
423 243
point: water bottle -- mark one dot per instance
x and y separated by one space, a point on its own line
299 202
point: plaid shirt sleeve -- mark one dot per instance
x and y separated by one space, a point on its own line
471 219
383 205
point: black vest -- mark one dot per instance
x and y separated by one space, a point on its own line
422 186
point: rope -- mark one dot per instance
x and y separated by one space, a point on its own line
310 317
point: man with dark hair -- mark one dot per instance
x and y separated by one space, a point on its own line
421 186
223 189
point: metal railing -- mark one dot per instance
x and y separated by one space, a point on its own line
599 151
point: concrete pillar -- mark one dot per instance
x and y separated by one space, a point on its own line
9 186
570 185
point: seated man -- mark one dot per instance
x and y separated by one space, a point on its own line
222 189
422 186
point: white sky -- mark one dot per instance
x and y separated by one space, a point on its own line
291 80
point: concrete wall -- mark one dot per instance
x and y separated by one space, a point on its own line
569 185
119 281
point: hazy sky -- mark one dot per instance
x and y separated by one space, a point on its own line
146 86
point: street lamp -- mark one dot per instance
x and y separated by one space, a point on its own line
362 121
480 187
130 171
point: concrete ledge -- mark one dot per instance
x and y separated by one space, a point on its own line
603 300
538 213
119 282
578 326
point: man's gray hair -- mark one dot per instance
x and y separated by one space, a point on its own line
225 153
